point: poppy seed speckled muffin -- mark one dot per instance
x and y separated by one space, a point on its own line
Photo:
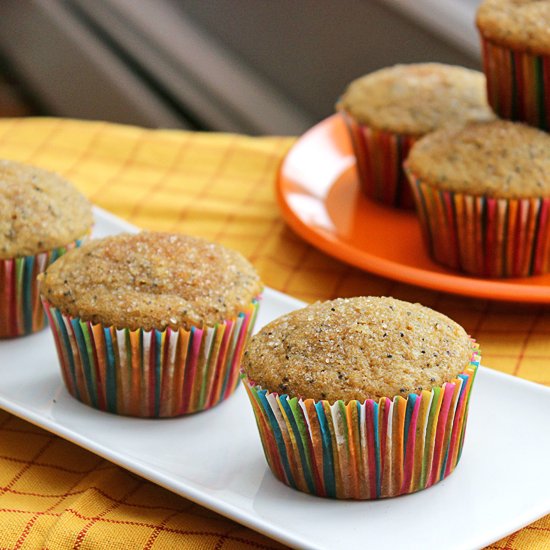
515 36
483 197
365 348
337 383
41 216
388 110
156 322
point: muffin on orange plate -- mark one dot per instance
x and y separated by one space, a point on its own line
151 324
41 217
388 110
515 38
361 398
483 198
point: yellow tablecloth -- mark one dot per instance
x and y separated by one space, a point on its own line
55 495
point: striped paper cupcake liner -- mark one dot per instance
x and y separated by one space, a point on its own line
518 84
379 158
484 236
20 308
367 450
150 373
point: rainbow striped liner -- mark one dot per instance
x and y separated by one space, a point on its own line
20 308
518 84
379 158
150 373
484 236
365 450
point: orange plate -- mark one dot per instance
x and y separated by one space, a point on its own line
320 199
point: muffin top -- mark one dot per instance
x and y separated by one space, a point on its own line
357 348
519 24
151 280
499 159
417 99
39 211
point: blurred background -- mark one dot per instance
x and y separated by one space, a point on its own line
249 66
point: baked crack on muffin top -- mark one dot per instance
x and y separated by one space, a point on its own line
357 348
417 98
39 211
499 159
522 25
151 280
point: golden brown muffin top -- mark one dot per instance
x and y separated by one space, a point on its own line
151 280
39 211
357 348
499 159
519 24
418 98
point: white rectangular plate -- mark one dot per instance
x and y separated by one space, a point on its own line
215 457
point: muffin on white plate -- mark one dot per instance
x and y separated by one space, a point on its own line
42 215
151 324
361 398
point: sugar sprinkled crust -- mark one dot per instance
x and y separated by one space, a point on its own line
522 25
151 280
418 98
357 348
39 211
499 159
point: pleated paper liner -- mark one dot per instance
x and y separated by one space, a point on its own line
518 84
484 236
20 308
379 158
150 373
367 450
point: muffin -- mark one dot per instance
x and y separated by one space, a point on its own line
515 38
41 217
361 398
388 110
483 196
151 324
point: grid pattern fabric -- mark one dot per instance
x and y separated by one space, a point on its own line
220 186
